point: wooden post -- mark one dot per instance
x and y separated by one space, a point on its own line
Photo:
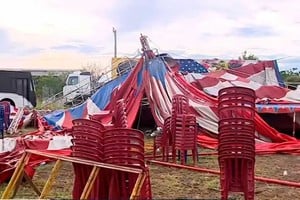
90 183
15 179
48 186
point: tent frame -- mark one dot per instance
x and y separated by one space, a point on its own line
16 179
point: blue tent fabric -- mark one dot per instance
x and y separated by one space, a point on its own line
191 66
53 117
77 111
158 70
102 97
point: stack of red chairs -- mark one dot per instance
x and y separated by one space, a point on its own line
6 105
183 129
88 122
125 147
87 144
185 137
236 150
163 141
115 145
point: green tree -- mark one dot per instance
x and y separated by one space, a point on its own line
291 77
47 86
246 56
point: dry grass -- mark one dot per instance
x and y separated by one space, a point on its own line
171 183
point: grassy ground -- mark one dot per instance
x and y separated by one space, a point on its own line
171 183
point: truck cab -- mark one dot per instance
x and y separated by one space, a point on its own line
78 84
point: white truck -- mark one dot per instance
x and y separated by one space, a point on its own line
78 87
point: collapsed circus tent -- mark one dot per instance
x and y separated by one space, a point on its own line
159 79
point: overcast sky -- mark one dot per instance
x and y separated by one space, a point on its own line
62 34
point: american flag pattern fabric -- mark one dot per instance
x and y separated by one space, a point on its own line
160 83
261 77
191 66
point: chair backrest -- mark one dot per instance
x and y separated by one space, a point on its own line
166 134
124 146
180 104
237 90
88 122
87 142
82 130
236 102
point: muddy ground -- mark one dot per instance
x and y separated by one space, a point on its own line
172 183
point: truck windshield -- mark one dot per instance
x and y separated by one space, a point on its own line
73 80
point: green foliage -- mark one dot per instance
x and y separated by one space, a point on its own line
246 56
291 77
47 86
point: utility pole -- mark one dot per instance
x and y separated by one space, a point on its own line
115 42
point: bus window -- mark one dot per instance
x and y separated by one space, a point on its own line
73 80
22 87
31 86
17 86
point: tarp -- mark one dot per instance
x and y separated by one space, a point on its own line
128 86
11 150
262 77
160 83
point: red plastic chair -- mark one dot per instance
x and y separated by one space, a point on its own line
84 131
6 105
180 105
237 90
236 149
125 147
185 137
163 141
88 122
87 144
239 180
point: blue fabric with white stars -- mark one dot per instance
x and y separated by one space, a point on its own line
191 66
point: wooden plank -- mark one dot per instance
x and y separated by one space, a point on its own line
86 162
137 186
15 179
90 183
28 179
48 186
19 171
18 185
